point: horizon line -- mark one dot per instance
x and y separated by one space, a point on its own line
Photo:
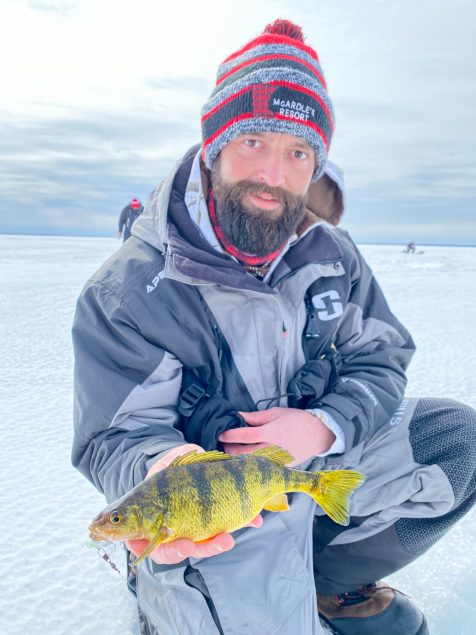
361 242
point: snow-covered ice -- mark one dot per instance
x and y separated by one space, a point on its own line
51 583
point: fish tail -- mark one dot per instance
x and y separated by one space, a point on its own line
331 490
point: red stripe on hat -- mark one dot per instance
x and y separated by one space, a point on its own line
263 58
226 101
248 115
267 38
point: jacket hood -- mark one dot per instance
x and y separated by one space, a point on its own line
326 198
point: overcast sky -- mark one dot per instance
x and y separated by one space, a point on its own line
100 97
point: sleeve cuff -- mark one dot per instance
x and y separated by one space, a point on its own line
338 446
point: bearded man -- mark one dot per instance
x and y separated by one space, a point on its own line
236 318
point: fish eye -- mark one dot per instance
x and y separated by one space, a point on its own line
116 518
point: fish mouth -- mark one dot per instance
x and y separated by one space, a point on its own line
98 535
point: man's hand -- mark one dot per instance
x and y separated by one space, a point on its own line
299 432
178 550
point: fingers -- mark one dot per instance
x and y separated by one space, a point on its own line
238 448
258 417
178 550
136 546
167 459
214 546
256 522
242 435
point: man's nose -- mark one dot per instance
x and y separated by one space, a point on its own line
272 171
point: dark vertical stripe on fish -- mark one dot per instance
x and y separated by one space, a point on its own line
236 472
266 472
205 494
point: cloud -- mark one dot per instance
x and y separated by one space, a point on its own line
80 172
95 111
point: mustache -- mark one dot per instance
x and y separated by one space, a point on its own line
243 188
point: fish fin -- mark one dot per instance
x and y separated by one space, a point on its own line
156 540
197 457
277 504
275 454
331 490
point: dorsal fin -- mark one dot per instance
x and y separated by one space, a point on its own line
197 457
275 454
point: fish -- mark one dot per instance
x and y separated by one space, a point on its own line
200 495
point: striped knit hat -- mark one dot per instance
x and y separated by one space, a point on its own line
273 84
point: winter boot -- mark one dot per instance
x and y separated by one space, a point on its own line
374 609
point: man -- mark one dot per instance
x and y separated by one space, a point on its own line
128 217
233 319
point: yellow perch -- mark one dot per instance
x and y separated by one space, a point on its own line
200 495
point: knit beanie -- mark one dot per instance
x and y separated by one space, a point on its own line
272 84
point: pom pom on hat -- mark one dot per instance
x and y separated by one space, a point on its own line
274 83
285 27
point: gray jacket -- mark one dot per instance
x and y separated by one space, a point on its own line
150 313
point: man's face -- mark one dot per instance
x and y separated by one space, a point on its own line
260 182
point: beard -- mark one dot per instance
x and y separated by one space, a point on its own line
249 228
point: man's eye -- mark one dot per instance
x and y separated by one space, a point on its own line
300 154
251 143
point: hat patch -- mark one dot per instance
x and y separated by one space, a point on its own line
269 101
292 104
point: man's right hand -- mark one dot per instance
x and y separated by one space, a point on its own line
182 548
178 550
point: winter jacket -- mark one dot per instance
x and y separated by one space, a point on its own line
167 311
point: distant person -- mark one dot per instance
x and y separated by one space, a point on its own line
129 215
411 248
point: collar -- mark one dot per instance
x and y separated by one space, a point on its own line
196 202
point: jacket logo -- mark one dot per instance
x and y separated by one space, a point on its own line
155 281
365 388
329 305
399 412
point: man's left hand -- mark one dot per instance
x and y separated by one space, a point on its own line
299 432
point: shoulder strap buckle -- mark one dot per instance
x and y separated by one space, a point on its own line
190 398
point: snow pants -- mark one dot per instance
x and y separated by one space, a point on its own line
421 479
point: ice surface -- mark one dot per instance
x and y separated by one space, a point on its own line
51 583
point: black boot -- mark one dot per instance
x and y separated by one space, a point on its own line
374 609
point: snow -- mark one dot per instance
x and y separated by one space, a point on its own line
51 582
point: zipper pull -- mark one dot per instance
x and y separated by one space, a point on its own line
312 330
218 341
